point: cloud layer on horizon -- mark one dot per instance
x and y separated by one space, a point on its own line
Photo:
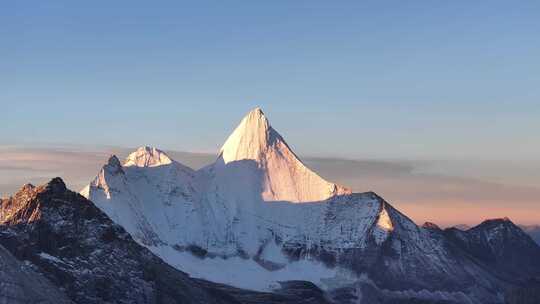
420 189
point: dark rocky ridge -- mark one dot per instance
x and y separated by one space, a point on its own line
93 260
502 246
484 264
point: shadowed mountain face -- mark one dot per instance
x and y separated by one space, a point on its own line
533 231
502 246
21 284
89 259
258 216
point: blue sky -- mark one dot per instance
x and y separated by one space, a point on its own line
393 79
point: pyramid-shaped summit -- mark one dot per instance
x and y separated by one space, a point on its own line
283 177
258 216
251 138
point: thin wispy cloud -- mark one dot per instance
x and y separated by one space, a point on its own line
419 188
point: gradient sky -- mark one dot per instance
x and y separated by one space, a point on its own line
455 84
433 79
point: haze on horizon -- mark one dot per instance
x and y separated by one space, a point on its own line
445 192
435 106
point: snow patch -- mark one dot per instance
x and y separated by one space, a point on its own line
47 256
272 253
247 273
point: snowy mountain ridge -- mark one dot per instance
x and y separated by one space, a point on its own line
258 215
58 247
255 166
147 157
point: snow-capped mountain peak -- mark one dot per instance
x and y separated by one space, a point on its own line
259 211
250 139
256 150
147 157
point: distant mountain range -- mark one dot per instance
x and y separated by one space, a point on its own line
255 226
532 230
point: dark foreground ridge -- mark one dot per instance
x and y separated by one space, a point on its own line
82 256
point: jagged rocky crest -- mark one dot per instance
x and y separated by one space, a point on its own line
84 257
259 215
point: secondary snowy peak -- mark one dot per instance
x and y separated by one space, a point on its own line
279 173
109 179
147 157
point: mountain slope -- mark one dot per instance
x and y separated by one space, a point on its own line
502 245
258 216
533 231
81 251
149 185
20 284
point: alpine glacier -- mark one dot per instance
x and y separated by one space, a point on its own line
258 215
